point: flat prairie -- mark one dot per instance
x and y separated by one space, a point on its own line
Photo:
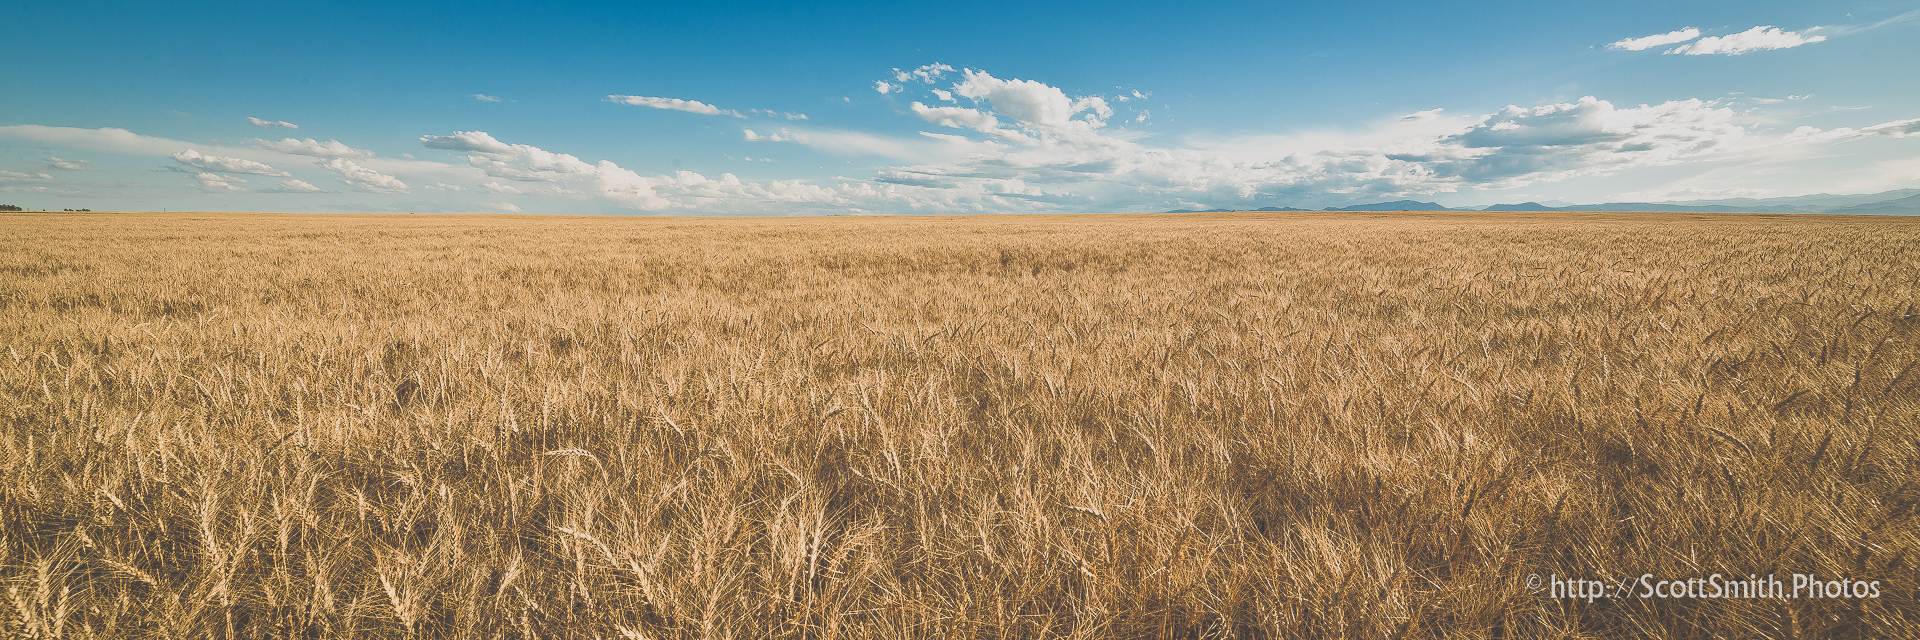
1346 425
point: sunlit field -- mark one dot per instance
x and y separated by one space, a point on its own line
1393 425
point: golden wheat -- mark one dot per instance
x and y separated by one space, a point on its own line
1096 426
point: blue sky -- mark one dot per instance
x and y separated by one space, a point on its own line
624 108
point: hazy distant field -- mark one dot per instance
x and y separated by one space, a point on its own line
1357 425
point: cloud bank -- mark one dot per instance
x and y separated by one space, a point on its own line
973 140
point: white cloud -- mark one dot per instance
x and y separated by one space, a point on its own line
22 176
214 182
926 73
481 97
530 169
958 118
673 104
1909 127
924 147
107 139
702 108
1644 43
68 165
528 163
883 87
520 162
1033 104
1063 158
1008 144
754 136
362 178
312 147
224 164
781 115
123 142
271 124
1897 128
295 185
1522 145
478 141
1761 38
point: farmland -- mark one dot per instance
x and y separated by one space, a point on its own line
1364 425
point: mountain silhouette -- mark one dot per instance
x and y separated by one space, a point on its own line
1397 205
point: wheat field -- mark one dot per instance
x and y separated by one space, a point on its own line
1239 425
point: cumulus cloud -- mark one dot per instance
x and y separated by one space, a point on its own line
271 124
528 163
295 185
883 87
224 164
372 174
1761 38
362 178
68 165
523 168
477 141
481 97
673 104
995 143
958 118
312 147
1644 43
216 183
1519 145
926 73
1044 147
121 141
1033 104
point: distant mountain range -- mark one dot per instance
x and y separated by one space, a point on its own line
1397 205
1228 210
1909 204
1899 201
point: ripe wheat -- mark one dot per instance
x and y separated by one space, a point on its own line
1097 426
